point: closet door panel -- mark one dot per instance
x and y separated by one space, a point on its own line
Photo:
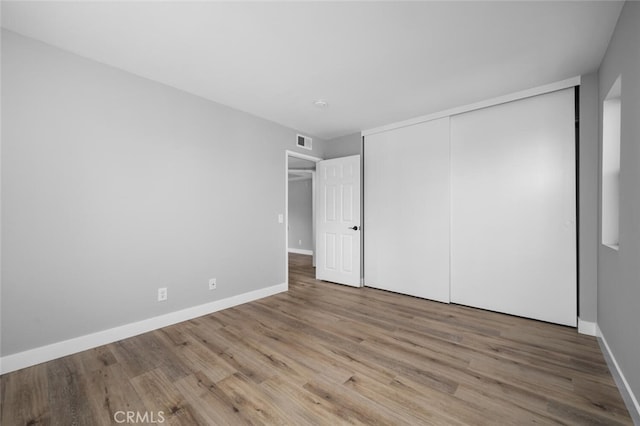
513 208
406 216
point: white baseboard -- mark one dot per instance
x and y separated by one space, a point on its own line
78 344
301 251
625 389
586 327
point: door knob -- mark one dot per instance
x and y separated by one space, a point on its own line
355 228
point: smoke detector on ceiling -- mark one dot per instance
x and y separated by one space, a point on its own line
321 103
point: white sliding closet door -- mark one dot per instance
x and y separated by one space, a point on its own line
513 201
406 200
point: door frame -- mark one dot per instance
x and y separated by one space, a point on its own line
307 157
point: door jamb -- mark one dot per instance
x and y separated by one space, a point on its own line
307 157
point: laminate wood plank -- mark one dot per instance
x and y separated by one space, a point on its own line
413 352
567 355
265 360
159 395
305 357
413 408
423 373
454 316
273 359
137 355
351 407
200 359
522 375
240 361
110 392
545 381
511 412
594 394
214 406
67 391
300 339
528 391
304 353
178 347
247 398
549 360
303 407
173 362
25 398
448 406
580 417
323 353
469 344
95 359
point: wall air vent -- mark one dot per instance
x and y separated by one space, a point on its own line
304 142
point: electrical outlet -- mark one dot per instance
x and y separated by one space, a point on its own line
299 242
162 294
212 284
280 218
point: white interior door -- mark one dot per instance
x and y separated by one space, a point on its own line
513 205
407 210
338 220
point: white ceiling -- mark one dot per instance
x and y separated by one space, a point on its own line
374 62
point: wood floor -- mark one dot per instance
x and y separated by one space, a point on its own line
327 354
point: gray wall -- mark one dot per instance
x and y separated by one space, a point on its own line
300 214
114 185
619 271
588 198
343 146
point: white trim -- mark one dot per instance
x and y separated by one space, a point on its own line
626 389
301 251
301 156
300 178
586 327
570 82
78 344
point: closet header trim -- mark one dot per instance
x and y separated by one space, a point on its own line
548 88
